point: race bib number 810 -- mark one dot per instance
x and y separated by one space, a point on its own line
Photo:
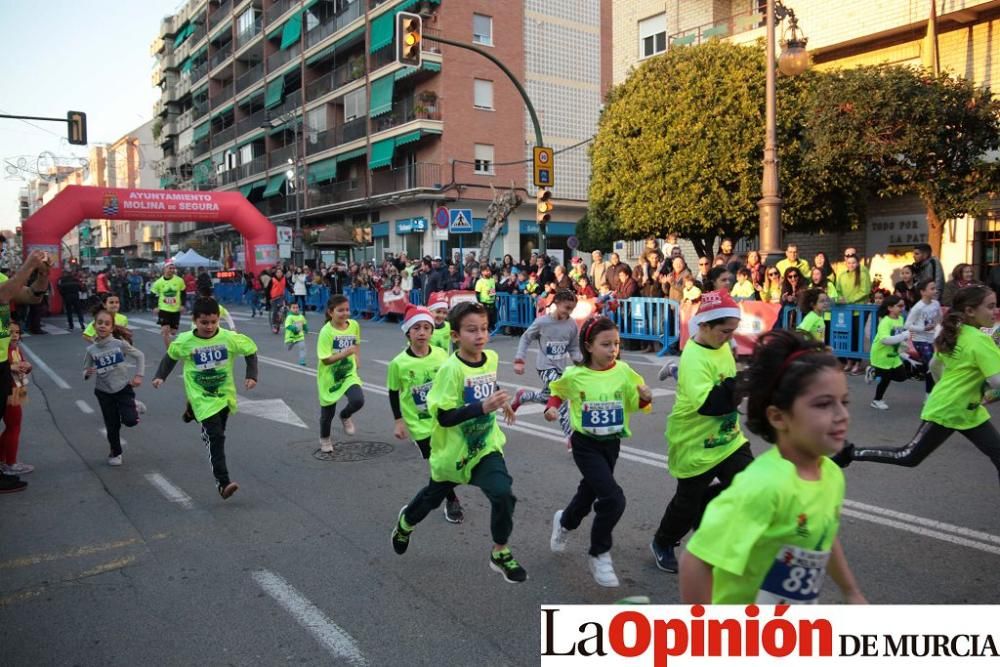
206 358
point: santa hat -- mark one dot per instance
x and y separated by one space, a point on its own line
716 306
416 314
438 302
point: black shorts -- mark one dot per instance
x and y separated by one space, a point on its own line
172 320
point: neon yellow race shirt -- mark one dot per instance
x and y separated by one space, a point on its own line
769 535
208 369
332 380
600 402
296 328
813 325
698 442
4 327
487 290
955 400
455 450
886 356
441 338
120 321
413 378
169 293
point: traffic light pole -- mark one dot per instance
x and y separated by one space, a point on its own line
520 89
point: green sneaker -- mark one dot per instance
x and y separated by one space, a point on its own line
505 564
400 536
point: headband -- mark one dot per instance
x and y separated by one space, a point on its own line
789 361
590 325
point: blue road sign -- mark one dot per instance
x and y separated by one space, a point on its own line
461 221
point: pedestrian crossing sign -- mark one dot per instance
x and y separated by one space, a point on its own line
461 221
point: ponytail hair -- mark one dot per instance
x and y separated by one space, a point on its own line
783 362
967 297
808 299
593 326
888 301
119 332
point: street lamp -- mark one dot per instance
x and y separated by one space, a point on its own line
293 176
794 60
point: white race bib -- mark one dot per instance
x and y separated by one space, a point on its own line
479 387
796 577
207 358
107 361
419 394
603 417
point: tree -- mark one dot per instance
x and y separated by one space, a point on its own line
918 133
596 231
503 204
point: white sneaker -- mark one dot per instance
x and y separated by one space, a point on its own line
869 375
326 445
560 536
603 570
115 460
140 407
880 405
669 370
348 426
18 468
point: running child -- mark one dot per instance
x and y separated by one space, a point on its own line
409 379
815 303
112 304
703 430
441 338
771 537
206 291
296 328
10 439
967 362
558 345
602 393
169 289
337 372
922 322
467 443
885 361
208 354
115 383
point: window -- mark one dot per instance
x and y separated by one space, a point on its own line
482 94
652 35
246 154
244 24
482 29
355 105
484 159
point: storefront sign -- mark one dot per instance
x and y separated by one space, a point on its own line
886 233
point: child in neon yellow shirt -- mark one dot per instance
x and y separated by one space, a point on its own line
814 303
296 328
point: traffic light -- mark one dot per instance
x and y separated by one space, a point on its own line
543 208
77 127
368 235
409 28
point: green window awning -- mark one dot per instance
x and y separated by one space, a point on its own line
381 101
292 31
274 185
426 66
186 31
340 44
166 181
200 93
285 126
200 132
382 31
351 155
225 109
250 140
408 138
203 51
275 93
258 185
245 190
324 170
382 152
186 65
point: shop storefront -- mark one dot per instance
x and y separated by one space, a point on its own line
556 241
411 236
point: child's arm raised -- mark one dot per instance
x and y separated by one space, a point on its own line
251 377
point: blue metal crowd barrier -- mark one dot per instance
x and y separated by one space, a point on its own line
317 298
649 319
852 329
515 311
229 292
415 297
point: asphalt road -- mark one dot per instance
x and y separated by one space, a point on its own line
146 564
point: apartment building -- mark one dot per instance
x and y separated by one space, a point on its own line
262 96
848 33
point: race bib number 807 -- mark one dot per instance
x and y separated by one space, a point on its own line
479 388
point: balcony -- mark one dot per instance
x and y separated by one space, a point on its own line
409 177
280 156
247 36
275 205
342 134
199 109
333 193
276 60
227 177
733 25
201 146
169 127
221 95
255 166
224 136
220 14
184 120
255 119
198 33
277 9
293 101
406 110
159 107
341 76
221 56
338 22
250 77
198 72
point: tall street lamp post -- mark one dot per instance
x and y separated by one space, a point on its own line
293 176
794 60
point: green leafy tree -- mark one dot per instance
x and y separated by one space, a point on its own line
596 231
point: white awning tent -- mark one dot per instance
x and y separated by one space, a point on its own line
191 259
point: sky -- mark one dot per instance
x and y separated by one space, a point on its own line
91 56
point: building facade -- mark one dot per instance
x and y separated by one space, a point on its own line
302 107
963 40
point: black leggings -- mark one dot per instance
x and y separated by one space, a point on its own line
887 375
928 438
355 401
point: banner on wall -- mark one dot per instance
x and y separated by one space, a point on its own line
756 317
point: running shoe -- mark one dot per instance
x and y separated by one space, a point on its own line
505 564
115 461
140 407
11 484
348 426
400 536
302 362
603 570
669 370
326 445
560 536
227 490
665 558
869 375
453 511
516 403
879 405
18 468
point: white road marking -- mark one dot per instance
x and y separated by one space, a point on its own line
37 361
940 530
103 431
274 409
85 408
54 330
312 619
170 491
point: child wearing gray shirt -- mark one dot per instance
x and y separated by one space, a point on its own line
106 360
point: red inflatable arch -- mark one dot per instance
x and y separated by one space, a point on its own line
44 230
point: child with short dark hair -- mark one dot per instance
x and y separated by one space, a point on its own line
743 290
885 360
208 354
814 304
467 443
296 328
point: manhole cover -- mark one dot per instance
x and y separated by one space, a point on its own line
361 450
